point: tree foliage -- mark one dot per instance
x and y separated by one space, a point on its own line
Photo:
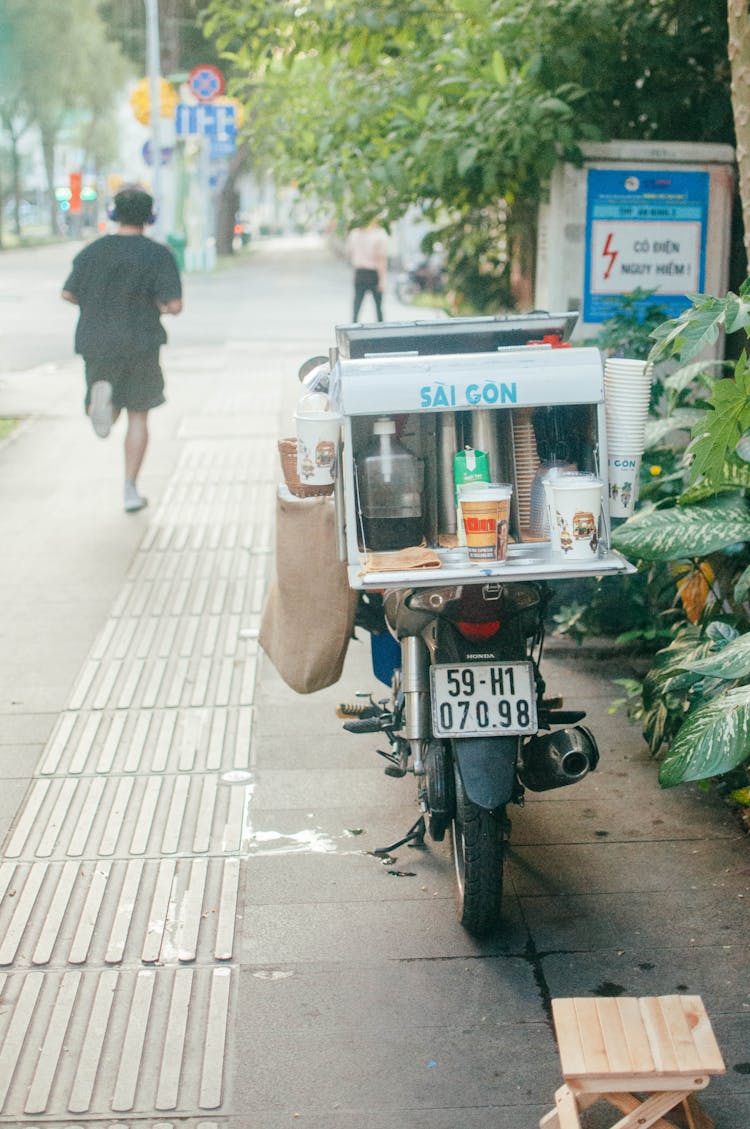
56 73
181 40
459 105
464 100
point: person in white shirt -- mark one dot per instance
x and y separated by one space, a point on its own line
368 254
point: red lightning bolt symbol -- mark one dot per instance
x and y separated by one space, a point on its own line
612 255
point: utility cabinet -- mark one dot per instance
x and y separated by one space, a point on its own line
635 215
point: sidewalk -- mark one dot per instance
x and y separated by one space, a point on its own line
192 932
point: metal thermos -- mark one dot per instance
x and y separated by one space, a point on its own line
484 438
447 447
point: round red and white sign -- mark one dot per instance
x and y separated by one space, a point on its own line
206 82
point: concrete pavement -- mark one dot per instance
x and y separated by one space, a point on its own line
192 930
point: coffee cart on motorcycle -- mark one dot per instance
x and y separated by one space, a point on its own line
468 715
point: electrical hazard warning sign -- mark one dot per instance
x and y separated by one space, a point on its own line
645 230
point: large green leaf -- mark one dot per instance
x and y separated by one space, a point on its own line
669 667
685 531
737 312
732 662
742 587
683 377
655 723
735 475
714 739
683 419
717 432
685 336
499 69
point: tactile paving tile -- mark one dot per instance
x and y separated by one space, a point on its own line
116 816
148 741
141 1123
111 1041
117 912
120 879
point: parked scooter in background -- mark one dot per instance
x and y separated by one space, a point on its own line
424 275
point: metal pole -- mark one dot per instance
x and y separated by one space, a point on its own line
153 70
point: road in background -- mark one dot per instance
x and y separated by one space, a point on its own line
231 303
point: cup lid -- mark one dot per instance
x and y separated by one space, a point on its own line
581 483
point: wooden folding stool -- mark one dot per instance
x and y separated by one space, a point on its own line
645 1056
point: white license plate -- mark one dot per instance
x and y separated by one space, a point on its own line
483 700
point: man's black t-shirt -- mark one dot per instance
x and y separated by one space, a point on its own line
119 282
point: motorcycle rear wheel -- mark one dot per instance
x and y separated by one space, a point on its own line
478 856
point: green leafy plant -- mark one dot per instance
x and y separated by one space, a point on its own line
695 699
716 431
628 333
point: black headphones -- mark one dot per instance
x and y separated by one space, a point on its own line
112 209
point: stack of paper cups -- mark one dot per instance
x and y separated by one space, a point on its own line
627 391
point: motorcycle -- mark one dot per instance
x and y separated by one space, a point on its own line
425 275
468 718
468 715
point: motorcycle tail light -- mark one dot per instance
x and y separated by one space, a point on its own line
433 599
476 632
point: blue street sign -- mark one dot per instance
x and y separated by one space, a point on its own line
146 153
222 147
205 120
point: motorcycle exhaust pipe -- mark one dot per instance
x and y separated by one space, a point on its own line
415 676
557 759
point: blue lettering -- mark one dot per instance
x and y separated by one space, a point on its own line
444 395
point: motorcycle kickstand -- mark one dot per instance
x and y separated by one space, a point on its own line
414 837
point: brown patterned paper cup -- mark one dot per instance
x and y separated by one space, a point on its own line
578 504
317 443
624 473
486 513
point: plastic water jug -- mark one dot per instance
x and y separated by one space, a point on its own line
390 482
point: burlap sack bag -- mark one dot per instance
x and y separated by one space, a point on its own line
308 617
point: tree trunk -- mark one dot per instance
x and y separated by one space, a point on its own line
169 36
739 58
48 152
15 164
522 240
226 205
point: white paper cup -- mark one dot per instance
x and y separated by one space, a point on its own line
577 501
627 387
618 365
627 438
627 395
624 475
317 447
625 421
622 409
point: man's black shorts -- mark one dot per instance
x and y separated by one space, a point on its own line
136 379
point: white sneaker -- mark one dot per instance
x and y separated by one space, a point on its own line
133 500
100 408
